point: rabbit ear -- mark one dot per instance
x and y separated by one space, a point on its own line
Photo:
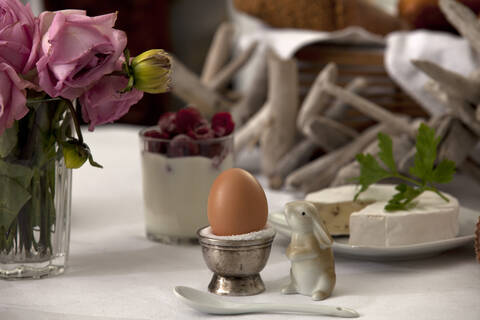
320 231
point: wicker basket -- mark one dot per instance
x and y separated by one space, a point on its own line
354 61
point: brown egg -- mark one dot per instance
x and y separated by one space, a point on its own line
236 204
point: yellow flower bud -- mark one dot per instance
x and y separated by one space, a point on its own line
151 71
74 154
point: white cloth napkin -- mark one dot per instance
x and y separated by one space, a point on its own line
286 42
116 273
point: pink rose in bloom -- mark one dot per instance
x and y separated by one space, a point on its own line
19 35
76 51
12 97
104 103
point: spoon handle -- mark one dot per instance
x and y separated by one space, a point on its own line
304 308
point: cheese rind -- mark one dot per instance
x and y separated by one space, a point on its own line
431 219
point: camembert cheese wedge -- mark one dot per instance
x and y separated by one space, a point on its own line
431 219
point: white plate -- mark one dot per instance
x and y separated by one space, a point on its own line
467 220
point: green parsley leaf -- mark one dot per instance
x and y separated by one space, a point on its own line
426 153
386 151
370 172
443 172
402 200
424 169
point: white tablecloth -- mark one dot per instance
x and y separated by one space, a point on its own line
116 273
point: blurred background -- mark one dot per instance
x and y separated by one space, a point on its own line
183 27
186 28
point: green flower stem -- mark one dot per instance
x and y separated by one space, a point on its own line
422 187
118 73
438 193
73 113
35 101
37 149
405 178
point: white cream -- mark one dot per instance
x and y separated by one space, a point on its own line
432 218
176 193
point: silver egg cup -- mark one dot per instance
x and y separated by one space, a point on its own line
236 264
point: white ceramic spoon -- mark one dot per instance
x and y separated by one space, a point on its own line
209 303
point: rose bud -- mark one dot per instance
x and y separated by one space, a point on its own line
151 71
74 154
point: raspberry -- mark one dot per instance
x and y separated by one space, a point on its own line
201 132
167 123
154 134
188 119
182 146
222 124
155 146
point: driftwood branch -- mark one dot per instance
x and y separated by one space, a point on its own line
472 169
252 130
317 101
220 80
338 108
371 109
255 92
464 20
218 53
464 112
188 87
402 144
279 137
298 156
454 83
457 144
327 133
321 172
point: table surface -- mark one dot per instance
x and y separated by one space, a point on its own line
116 273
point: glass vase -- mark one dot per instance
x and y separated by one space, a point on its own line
35 194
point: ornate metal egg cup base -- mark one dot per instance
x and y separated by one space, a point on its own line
236 263
236 286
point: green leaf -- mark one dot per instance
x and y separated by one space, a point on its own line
21 174
402 200
8 140
444 171
386 151
426 153
13 196
93 163
370 172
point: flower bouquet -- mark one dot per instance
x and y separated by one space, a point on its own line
55 68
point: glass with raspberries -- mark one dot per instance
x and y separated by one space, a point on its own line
181 157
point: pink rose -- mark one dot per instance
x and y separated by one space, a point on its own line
76 51
19 35
12 97
104 103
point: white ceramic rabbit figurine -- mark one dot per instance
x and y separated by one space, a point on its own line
313 266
